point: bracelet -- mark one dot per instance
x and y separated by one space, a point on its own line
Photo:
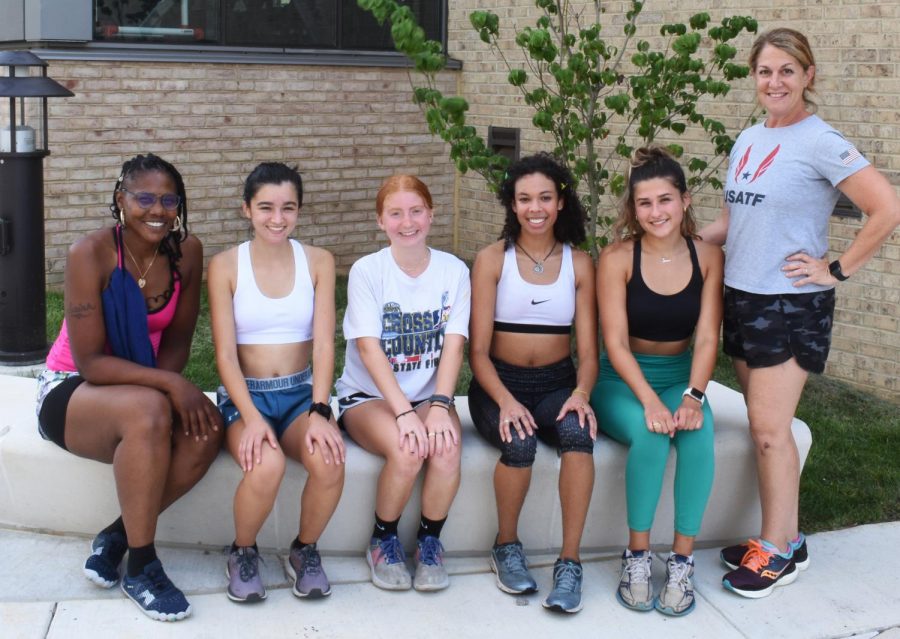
578 390
441 405
441 399
406 412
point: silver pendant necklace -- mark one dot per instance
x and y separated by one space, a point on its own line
538 265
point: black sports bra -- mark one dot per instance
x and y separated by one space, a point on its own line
663 318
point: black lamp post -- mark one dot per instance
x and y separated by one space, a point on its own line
23 147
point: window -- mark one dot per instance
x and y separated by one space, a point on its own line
286 24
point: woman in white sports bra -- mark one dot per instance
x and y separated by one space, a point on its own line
528 290
272 306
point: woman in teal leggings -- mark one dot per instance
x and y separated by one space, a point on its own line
659 287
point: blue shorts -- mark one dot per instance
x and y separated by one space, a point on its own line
280 400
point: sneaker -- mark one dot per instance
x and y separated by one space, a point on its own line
242 571
304 566
511 567
430 572
154 593
732 555
102 567
760 572
677 596
566 593
635 590
388 564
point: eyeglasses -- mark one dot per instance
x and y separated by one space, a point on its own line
170 201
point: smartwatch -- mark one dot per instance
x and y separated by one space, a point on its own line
835 268
695 394
322 409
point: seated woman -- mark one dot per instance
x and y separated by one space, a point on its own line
113 389
272 306
659 286
527 290
406 323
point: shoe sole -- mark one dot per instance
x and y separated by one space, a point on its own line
648 608
384 585
315 593
431 587
156 615
785 580
671 612
94 577
559 608
252 598
504 587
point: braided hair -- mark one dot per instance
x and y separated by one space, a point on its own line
171 244
570 223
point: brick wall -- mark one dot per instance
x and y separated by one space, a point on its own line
857 46
347 128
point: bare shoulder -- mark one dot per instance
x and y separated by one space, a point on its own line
96 250
224 260
490 257
617 253
318 257
708 252
581 261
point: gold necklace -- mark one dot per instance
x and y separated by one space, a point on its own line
538 265
413 268
142 282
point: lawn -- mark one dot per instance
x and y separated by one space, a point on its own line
851 476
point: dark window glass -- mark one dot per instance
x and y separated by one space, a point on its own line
293 24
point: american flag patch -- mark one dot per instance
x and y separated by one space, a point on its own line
849 156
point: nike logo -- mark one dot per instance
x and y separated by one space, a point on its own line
533 303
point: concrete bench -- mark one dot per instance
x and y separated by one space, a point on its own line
46 489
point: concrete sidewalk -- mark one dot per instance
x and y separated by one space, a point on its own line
850 590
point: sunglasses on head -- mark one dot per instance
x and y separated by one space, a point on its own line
169 201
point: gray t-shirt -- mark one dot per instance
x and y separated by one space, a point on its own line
780 192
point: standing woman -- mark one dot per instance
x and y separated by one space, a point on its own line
406 323
658 288
272 306
528 289
113 389
784 178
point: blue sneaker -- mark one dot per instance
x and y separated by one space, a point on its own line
511 567
154 593
566 593
102 567
430 572
388 564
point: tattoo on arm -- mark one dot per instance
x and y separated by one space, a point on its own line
80 311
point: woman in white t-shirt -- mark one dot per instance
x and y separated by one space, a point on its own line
406 323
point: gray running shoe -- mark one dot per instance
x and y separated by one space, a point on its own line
635 590
430 572
388 564
677 596
511 567
566 593
304 566
242 570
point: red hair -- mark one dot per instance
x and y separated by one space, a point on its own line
398 183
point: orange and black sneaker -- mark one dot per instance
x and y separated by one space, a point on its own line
762 569
732 556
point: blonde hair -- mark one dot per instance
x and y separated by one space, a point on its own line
647 163
398 183
795 45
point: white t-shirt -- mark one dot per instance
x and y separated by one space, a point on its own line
410 315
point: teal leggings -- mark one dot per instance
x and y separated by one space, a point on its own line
621 416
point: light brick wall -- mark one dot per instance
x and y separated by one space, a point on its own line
857 46
347 128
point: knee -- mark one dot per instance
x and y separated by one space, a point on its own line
649 448
404 465
151 422
324 475
766 435
573 437
447 463
267 474
519 453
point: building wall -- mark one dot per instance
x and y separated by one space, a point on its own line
857 48
346 128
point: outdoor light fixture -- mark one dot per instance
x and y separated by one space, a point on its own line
23 147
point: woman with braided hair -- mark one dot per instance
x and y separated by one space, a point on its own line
113 389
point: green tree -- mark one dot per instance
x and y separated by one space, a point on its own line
597 100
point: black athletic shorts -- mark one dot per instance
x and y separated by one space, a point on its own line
52 415
767 330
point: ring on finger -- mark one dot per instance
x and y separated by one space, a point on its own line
432 434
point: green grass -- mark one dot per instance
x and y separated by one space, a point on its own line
851 476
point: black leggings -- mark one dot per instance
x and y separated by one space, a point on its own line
542 390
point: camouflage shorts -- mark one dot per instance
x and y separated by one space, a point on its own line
766 330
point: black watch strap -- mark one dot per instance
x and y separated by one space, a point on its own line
322 409
835 268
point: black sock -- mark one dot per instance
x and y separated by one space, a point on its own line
297 544
430 527
234 547
384 529
118 526
140 557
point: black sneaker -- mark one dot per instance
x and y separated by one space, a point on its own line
731 556
760 572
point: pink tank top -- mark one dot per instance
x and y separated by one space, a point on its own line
60 356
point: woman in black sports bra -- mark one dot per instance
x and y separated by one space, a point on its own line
658 287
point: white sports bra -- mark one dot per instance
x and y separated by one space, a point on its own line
523 307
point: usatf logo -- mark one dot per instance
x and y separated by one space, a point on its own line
740 175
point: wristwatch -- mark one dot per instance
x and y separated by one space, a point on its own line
835 268
322 409
694 393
